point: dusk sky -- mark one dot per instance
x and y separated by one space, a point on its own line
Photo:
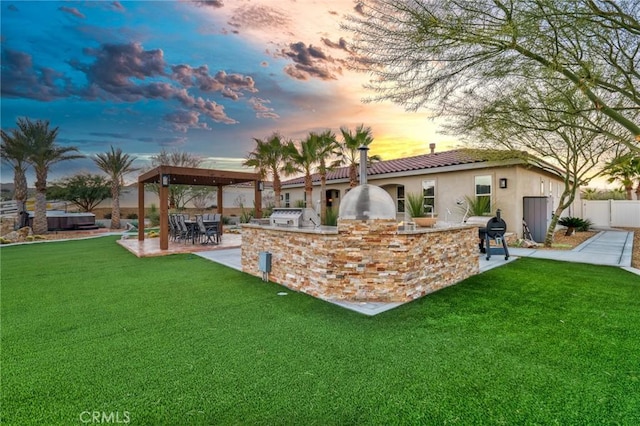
203 77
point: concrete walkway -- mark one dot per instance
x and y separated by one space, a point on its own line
613 248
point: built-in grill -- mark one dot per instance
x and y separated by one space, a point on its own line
294 218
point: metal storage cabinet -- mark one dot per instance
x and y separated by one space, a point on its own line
537 214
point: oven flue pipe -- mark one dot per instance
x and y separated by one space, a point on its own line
363 164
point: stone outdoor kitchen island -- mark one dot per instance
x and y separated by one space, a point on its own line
366 258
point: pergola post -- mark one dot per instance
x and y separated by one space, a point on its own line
164 215
140 211
219 199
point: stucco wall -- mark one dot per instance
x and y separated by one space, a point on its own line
454 185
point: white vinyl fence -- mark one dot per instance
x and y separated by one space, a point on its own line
612 212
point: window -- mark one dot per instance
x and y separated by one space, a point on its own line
287 200
429 194
483 192
400 198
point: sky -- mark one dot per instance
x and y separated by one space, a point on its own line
204 77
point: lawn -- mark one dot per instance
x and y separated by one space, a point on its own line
89 328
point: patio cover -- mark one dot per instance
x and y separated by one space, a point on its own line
189 176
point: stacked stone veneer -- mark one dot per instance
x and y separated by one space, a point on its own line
363 260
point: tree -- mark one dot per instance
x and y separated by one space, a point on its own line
303 160
349 152
42 154
327 149
14 151
84 190
439 52
626 170
116 165
179 195
542 121
268 158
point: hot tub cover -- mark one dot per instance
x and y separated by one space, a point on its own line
367 202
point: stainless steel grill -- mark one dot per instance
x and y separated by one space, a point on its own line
294 218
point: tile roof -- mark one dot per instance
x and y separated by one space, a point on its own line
419 162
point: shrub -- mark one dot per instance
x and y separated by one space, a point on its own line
107 215
332 217
246 216
132 216
575 223
154 215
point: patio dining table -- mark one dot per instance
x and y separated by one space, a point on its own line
194 229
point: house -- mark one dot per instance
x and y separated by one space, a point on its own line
518 189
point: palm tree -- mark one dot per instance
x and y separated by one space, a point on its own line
327 149
116 165
42 154
626 170
14 150
269 158
303 160
349 149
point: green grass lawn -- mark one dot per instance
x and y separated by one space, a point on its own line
88 327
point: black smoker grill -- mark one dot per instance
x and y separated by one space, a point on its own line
495 230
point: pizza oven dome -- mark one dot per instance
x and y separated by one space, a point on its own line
366 202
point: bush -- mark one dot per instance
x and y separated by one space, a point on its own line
332 217
132 216
107 215
154 215
577 223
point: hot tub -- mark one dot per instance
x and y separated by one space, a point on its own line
59 220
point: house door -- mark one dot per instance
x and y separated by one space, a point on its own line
332 198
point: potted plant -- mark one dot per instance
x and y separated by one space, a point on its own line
416 209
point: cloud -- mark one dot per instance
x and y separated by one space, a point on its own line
341 44
209 3
117 64
119 70
118 6
263 111
129 73
183 120
113 135
72 11
309 61
258 17
229 85
20 79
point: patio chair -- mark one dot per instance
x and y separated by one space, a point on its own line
210 232
184 232
173 231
